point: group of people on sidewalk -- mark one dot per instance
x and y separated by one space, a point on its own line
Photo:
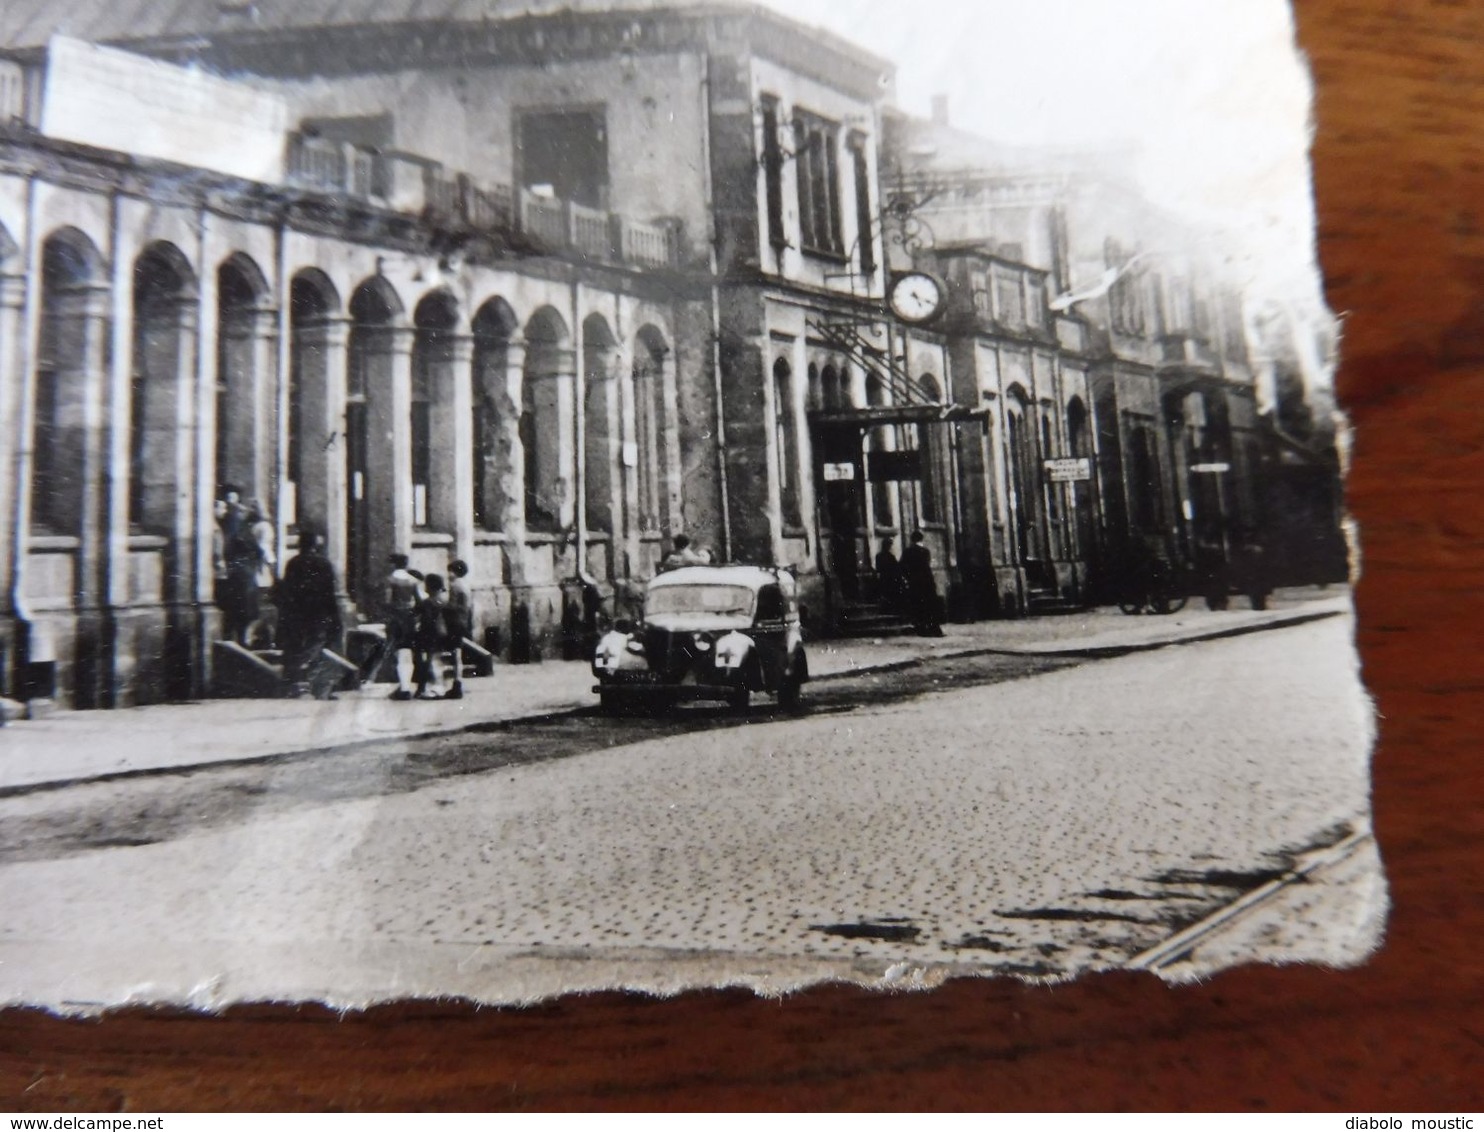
424 616
907 586
300 613
245 568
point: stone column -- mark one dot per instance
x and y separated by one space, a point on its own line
451 422
12 389
319 358
602 449
669 454
501 464
388 499
247 355
88 404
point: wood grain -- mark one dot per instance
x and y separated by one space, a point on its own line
1400 180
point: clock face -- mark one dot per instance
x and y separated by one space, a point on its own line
916 297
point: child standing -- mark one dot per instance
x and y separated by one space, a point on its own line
430 638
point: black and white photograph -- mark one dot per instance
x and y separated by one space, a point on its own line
508 498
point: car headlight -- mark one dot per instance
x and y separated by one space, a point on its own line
609 653
701 643
732 650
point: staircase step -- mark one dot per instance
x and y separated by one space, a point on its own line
240 672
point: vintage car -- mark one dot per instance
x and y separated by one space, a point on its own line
708 633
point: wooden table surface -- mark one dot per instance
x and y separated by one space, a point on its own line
1400 181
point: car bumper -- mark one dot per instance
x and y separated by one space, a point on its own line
689 690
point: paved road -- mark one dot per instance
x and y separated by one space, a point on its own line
985 813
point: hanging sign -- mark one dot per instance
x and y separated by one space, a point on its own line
833 473
1073 469
1210 469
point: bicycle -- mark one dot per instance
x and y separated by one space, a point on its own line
1158 591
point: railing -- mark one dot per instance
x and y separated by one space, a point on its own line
651 244
408 183
317 163
543 219
590 231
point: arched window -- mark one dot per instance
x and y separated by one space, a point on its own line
244 410
70 361
786 444
650 352
1079 443
433 358
833 389
312 300
164 348
374 480
1020 472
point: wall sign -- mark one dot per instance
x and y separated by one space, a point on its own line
1073 469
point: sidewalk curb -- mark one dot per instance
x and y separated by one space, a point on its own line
1096 652
474 727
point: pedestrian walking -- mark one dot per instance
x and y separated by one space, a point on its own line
921 588
242 558
888 577
400 597
430 637
460 621
263 631
308 616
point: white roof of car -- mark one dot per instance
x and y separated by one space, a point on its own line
749 576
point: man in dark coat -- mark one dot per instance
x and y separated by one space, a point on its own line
308 615
888 577
920 589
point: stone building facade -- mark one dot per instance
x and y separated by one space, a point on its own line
542 292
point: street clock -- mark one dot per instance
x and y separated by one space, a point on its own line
916 297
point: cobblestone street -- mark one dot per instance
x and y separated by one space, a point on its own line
1036 826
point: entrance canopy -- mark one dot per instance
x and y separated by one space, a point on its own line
873 415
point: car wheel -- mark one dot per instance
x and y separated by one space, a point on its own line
739 698
610 703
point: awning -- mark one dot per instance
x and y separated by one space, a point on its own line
873 415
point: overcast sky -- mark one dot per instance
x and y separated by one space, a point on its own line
1211 92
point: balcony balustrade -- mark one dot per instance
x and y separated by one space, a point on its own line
409 183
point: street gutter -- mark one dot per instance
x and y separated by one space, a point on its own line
486 726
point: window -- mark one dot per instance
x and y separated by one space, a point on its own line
817 142
565 152
1009 299
770 604
1035 301
864 227
983 306
773 173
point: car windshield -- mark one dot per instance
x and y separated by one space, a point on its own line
718 600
